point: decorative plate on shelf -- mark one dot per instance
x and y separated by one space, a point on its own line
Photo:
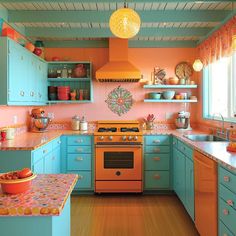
183 70
119 101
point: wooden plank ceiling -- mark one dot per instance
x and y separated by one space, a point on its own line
72 22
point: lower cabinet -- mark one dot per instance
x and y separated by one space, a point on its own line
226 202
156 162
77 158
183 175
43 160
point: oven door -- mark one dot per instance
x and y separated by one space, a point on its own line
118 162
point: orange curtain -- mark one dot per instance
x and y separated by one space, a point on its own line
219 44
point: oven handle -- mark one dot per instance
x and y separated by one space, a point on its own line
118 146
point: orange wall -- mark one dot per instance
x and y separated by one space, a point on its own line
143 58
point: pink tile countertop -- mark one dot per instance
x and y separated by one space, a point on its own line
214 150
46 197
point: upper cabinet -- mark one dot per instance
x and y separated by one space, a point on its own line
23 75
70 82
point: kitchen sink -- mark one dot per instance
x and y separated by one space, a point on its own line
204 138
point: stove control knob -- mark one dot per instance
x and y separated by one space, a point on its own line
135 138
123 138
130 138
110 138
101 138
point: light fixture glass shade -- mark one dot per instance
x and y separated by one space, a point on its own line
197 65
124 23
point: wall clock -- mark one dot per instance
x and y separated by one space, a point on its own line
183 70
119 101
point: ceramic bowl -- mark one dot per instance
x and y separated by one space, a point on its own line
154 95
168 94
173 80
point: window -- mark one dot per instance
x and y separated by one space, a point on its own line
219 89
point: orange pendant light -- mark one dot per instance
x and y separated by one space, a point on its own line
124 23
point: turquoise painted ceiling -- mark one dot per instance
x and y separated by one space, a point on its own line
74 22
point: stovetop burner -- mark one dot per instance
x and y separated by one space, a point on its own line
112 129
129 129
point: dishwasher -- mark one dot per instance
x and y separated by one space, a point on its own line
205 190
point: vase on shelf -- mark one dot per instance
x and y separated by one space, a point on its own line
149 125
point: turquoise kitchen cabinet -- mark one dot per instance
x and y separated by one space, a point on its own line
77 158
183 174
43 160
156 162
179 174
226 202
23 75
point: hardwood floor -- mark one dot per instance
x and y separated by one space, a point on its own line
129 215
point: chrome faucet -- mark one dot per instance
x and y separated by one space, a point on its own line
222 132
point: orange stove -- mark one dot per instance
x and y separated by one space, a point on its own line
118 157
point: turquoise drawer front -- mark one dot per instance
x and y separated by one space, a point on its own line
185 149
84 181
228 179
79 162
175 142
228 196
227 215
79 140
79 149
156 149
56 143
157 140
156 180
223 230
156 161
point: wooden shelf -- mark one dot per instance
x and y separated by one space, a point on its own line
166 100
178 86
68 101
68 79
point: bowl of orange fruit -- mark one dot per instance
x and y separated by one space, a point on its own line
17 181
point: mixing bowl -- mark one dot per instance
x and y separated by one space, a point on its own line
181 122
168 94
41 123
154 95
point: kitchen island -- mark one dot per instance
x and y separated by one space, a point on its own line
42 210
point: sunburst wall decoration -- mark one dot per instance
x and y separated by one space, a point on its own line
119 101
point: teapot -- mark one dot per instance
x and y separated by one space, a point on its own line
79 71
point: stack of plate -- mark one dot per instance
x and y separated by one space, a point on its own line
63 92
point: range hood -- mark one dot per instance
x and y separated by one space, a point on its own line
118 69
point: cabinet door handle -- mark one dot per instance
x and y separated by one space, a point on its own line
174 143
226 178
156 141
59 142
79 141
225 212
156 149
230 202
156 158
31 93
45 151
80 176
156 176
225 234
53 158
79 149
22 93
79 159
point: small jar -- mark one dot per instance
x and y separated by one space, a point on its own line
75 123
83 125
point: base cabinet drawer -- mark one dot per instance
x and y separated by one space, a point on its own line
228 179
156 180
227 215
157 140
84 181
223 230
157 149
79 162
79 140
79 149
157 161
